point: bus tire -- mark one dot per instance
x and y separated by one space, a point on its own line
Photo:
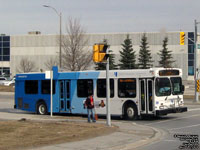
130 112
41 108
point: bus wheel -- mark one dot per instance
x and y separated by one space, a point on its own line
131 112
41 108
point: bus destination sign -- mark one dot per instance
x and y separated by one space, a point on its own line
168 72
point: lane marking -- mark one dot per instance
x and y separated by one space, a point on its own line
173 119
194 109
170 140
196 125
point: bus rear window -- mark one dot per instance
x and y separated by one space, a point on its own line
31 87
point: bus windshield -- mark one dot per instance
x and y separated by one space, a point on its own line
166 86
176 85
163 87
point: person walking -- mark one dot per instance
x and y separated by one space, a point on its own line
89 104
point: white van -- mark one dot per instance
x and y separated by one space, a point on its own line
9 82
2 80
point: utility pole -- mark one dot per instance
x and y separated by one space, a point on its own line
108 91
196 65
51 97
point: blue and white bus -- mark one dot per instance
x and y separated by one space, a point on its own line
155 91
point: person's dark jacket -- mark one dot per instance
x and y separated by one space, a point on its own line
89 104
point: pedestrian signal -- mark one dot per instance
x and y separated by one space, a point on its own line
182 38
99 52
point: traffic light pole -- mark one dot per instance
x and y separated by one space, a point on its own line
100 55
108 92
196 62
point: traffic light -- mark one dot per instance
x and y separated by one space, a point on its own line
182 38
99 52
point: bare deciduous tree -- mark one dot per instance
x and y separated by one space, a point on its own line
52 61
75 55
26 65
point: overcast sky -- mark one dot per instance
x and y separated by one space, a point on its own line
99 16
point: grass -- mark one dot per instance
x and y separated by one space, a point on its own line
7 88
29 134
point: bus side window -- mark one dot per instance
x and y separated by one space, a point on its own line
84 87
101 88
46 87
127 87
31 87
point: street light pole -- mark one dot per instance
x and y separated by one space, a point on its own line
60 37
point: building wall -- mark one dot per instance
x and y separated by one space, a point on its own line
4 55
39 48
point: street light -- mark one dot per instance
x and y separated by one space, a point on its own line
60 40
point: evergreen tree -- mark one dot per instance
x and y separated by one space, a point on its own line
165 55
100 66
112 66
127 55
144 54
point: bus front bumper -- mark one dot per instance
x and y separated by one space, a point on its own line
171 110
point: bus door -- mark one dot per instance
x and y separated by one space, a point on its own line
64 95
146 96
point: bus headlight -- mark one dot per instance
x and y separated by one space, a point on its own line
161 107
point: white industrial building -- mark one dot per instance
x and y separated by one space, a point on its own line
39 48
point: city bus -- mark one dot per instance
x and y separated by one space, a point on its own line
133 93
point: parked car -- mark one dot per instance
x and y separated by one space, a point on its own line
9 82
2 80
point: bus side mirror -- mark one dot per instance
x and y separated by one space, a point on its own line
183 88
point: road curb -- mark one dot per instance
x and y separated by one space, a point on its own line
7 93
155 137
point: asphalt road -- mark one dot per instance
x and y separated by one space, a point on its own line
177 129
6 102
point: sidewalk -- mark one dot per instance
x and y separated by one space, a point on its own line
188 101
